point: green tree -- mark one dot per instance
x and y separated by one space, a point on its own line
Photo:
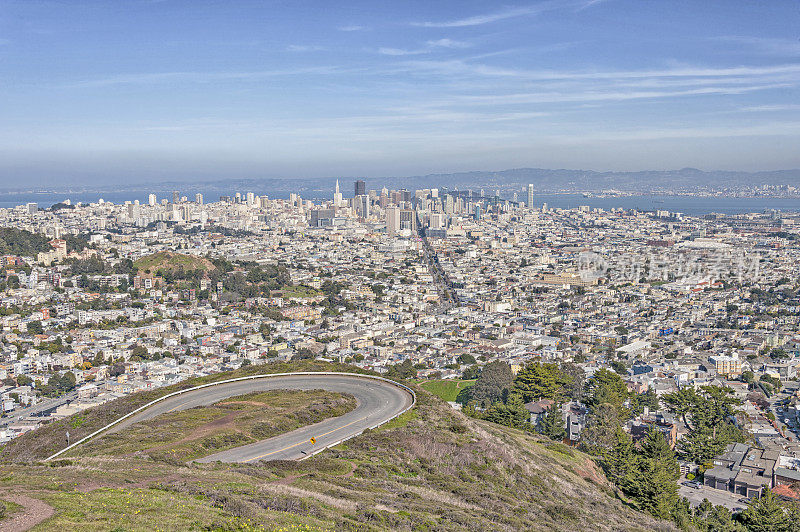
606 387
35 327
602 423
768 514
539 380
708 414
552 425
512 414
403 370
619 367
494 381
472 372
466 358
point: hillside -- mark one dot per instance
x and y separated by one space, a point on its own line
20 242
431 469
167 261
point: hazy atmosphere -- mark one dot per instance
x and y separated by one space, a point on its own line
137 91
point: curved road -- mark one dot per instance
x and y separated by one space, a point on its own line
377 401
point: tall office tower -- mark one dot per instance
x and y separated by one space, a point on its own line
251 198
238 197
448 204
477 212
337 196
198 198
292 198
392 220
364 203
529 204
515 199
434 192
176 196
32 208
361 188
264 201
152 200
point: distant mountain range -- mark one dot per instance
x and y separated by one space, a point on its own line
507 181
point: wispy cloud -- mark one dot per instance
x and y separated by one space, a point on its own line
351 27
486 18
771 108
765 45
448 43
152 78
400 51
462 67
304 48
609 95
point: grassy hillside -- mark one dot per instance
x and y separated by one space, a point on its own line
50 438
431 469
447 389
198 432
168 261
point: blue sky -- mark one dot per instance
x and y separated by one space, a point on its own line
142 90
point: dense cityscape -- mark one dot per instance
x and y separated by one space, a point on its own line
664 310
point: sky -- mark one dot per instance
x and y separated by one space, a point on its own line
123 91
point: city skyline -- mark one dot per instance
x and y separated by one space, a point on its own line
102 92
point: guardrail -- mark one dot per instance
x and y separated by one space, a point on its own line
238 379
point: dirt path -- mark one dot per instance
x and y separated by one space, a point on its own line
202 431
34 513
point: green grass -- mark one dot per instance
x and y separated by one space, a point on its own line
8 509
50 438
167 260
447 389
153 510
431 469
197 432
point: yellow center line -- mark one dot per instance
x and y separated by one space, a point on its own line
177 407
302 442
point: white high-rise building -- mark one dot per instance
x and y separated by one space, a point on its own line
152 200
198 198
251 198
529 203
337 196
392 220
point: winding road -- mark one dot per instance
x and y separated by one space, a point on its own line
377 401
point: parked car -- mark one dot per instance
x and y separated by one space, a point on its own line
693 484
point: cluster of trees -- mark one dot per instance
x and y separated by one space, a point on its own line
58 385
403 370
500 396
646 473
709 414
20 242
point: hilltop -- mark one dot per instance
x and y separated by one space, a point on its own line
168 261
432 469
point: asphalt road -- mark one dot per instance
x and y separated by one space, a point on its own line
38 409
715 497
376 401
